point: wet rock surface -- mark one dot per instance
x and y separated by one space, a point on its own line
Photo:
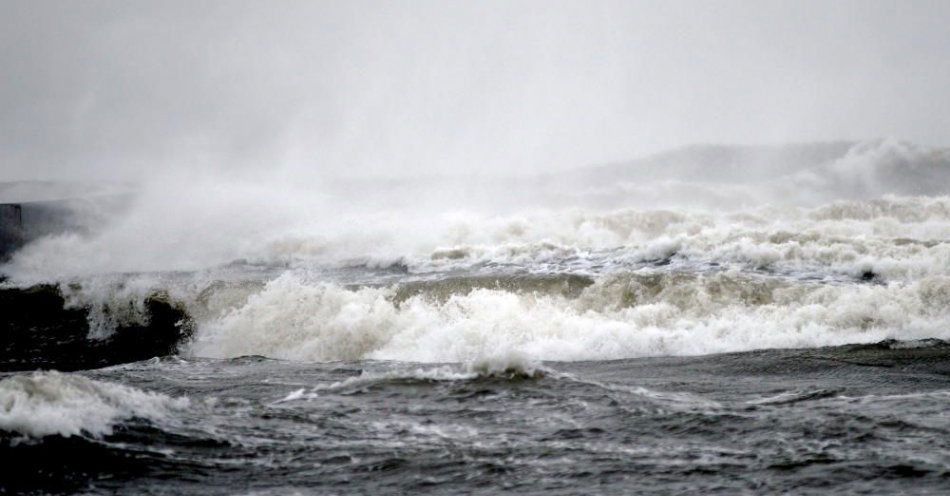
38 332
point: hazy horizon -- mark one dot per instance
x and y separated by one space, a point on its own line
100 90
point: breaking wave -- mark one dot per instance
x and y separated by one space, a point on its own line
703 250
816 195
52 403
622 316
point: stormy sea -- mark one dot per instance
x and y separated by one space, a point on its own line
712 319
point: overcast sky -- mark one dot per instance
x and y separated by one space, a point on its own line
93 89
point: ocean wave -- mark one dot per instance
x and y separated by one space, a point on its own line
863 198
836 244
711 292
633 315
53 403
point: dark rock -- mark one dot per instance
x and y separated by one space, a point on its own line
37 332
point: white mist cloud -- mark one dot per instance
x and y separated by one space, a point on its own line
297 89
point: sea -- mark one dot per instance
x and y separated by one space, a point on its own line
710 320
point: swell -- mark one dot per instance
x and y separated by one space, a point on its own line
66 465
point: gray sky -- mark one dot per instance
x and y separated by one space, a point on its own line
94 89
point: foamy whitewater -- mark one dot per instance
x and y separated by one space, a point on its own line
45 403
780 308
792 267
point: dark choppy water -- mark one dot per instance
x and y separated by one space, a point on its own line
853 420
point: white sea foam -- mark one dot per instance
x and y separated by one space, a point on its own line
834 221
193 223
47 403
674 315
894 237
900 242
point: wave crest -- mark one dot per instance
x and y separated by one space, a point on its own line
623 316
53 403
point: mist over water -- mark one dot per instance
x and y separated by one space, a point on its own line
781 246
